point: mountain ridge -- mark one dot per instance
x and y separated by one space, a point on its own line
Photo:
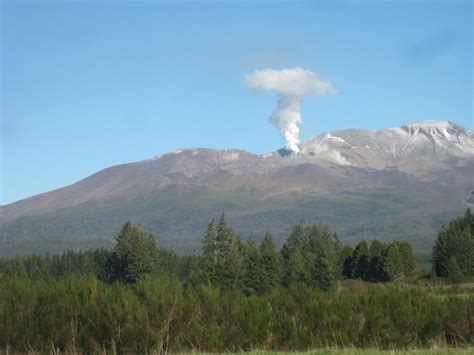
411 165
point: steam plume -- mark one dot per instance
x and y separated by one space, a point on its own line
291 85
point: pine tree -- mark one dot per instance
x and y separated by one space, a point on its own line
234 265
222 255
294 242
224 237
322 275
320 240
292 256
392 262
296 270
409 260
304 244
375 252
253 269
210 252
270 264
227 255
345 261
454 273
375 249
360 261
133 254
455 240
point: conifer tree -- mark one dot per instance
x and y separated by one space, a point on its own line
375 253
375 249
296 269
233 265
210 251
253 269
392 262
270 264
453 271
224 237
455 240
292 256
322 275
222 255
320 241
294 242
408 257
360 261
133 254
345 261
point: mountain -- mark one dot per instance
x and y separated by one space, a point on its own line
417 148
398 183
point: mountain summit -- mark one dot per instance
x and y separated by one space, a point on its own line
425 145
366 183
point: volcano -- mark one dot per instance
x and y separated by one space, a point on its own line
400 183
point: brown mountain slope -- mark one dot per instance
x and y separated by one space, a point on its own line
364 183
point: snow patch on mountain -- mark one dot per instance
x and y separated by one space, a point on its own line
424 144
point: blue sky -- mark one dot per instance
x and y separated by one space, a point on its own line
86 85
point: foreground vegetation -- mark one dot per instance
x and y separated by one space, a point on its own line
159 314
240 296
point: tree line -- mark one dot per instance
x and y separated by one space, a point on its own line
236 295
312 255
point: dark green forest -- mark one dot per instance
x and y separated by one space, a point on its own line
240 295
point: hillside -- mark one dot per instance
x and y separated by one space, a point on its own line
398 183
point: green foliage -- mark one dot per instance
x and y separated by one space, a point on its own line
375 272
311 255
380 262
270 264
225 237
408 256
210 252
83 263
235 297
360 260
296 270
83 314
234 264
453 271
454 249
345 261
133 255
392 262
323 275
253 275
178 215
222 260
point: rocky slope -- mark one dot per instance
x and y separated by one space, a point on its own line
418 148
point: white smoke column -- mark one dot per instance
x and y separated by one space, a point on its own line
291 85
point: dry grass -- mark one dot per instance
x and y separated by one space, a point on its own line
353 351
